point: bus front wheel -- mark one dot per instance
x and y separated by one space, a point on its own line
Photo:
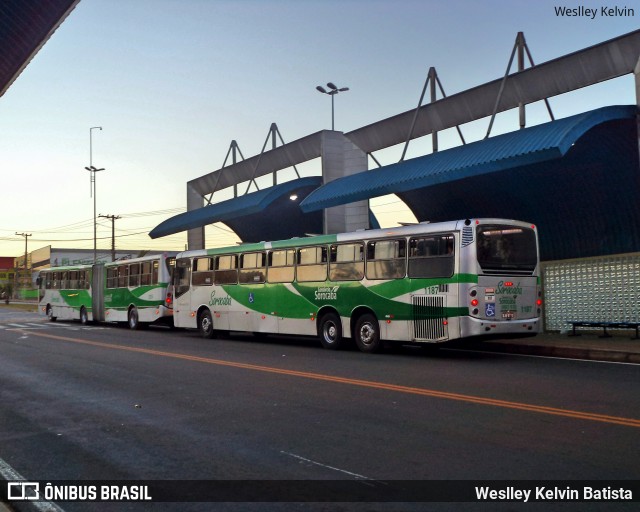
205 324
367 334
50 314
330 331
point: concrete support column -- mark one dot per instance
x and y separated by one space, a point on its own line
341 157
195 236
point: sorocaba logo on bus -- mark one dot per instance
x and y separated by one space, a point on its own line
219 301
327 293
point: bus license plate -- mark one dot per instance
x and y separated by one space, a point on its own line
508 315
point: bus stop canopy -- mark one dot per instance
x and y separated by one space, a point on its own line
269 214
577 179
25 26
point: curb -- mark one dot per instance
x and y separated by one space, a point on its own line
589 354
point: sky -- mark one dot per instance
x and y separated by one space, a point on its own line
173 82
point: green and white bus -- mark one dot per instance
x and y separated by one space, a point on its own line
424 283
134 291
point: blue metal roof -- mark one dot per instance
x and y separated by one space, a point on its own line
235 212
577 179
516 149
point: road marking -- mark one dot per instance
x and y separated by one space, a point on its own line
567 413
31 326
8 473
355 475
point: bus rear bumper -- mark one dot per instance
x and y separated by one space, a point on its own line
476 326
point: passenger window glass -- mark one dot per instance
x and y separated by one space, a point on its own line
252 268
386 259
347 262
202 272
181 277
431 256
281 267
312 264
226 269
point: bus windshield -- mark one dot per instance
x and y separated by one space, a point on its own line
506 249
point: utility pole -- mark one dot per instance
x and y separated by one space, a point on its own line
113 233
26 237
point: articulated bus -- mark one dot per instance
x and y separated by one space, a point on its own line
133 291
423 284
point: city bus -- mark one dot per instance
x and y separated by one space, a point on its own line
134 291
426 283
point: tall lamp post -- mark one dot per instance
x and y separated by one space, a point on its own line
333 90
92 187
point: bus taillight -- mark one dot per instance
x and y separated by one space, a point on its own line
169 299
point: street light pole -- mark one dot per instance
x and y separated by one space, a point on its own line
92 187
333 90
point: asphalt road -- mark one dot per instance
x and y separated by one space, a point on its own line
106 403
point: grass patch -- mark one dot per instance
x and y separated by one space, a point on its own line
32 308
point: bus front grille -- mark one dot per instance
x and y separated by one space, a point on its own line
429 319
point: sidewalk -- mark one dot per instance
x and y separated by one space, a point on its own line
620 347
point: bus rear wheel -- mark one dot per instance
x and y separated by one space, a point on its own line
367 334
133 319
330 331
205 324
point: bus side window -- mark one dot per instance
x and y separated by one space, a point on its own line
181 276
112 277
123 271
347 262
64 280
134 274
252 268
146 273
226 269
281 267
431 256
202 272
72 283
311 264
386 259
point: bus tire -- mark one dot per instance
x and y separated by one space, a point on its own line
50 314
133 319
330 331
84 317
205 324
367 334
